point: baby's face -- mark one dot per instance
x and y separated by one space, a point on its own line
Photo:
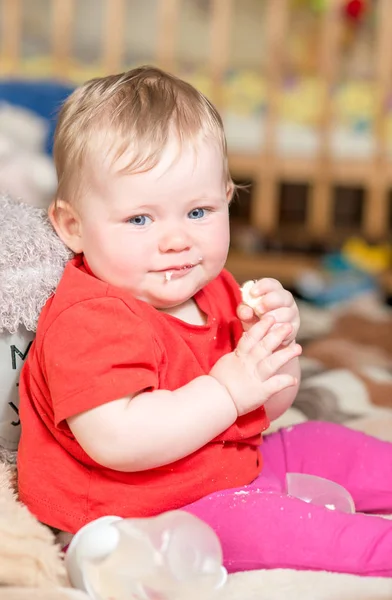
163 234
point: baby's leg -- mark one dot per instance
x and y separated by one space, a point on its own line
360 463
260 529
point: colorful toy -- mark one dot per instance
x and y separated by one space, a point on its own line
346 274
368 258
355 10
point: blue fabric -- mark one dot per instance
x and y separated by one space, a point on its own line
42 97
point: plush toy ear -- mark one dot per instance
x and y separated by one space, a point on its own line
32 261
66 222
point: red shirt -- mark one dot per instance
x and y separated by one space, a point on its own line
96 343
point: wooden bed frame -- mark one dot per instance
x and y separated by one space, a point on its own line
267 169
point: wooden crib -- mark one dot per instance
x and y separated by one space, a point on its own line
267 169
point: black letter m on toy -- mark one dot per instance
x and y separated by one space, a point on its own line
15 351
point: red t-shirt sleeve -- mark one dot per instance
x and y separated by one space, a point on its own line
97 351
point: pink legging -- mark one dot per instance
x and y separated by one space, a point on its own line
265 528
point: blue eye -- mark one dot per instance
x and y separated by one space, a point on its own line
140 220
197 213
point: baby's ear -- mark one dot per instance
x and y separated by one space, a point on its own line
66 222
230 190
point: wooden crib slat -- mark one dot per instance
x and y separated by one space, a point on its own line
320 209
383 69
114 35
11 36
221 19
376 209
277 19
168 18
265 205
63 14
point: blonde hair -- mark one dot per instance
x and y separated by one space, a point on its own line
138 109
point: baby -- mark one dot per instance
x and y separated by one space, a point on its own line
150 382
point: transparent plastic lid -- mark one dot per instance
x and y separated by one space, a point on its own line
319 491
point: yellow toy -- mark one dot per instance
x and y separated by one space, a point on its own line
372 259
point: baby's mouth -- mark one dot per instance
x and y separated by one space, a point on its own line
176 272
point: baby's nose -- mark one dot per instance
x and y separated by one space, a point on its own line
174 239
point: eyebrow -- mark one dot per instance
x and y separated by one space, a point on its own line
206 198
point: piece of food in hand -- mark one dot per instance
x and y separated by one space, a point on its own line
249 300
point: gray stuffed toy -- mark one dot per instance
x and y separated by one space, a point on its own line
32 260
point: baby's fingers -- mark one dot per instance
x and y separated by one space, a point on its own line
276 384
274 300
273 340
252 337
273 363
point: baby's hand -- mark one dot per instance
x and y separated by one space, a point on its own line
250 373
268 297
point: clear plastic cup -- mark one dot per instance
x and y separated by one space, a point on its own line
319 491
172 555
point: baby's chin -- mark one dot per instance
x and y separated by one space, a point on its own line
170 301
166 304
172 293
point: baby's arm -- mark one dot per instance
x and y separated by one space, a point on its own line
154 428
159 427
